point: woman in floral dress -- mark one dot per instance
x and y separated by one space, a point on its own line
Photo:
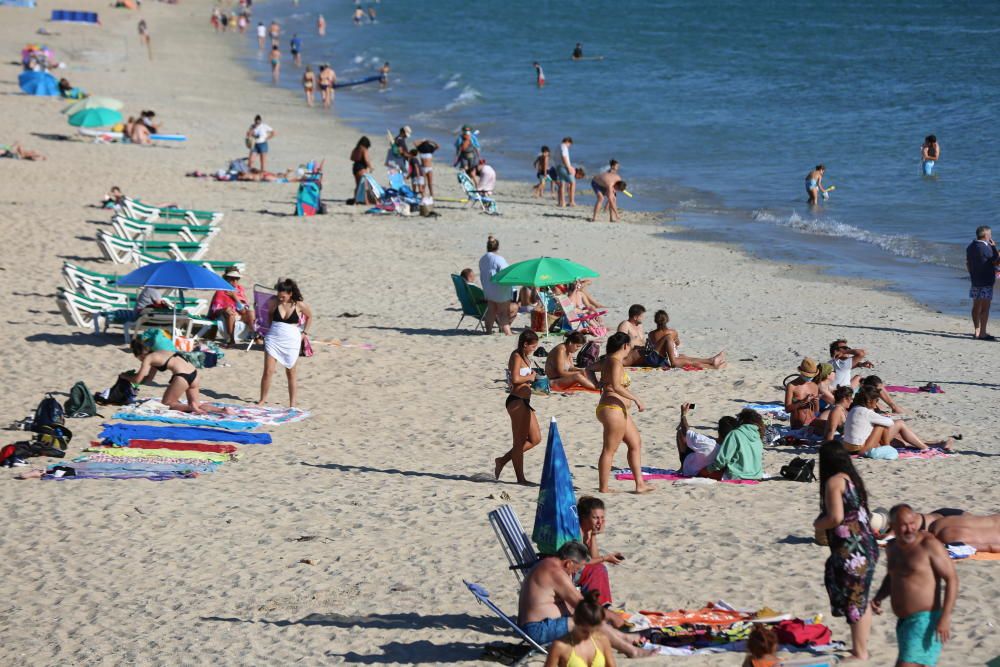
853 549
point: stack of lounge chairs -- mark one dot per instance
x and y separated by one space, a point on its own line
141 235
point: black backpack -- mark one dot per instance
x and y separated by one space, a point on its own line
122 392
588 354
799 470
48 413
80 402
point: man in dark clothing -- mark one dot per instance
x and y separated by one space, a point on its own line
981 260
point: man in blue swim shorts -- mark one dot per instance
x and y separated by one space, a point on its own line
981 260
548 598
917 566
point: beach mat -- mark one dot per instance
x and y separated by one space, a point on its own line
242 417
121 434
180 446
648 474
126 453
918 454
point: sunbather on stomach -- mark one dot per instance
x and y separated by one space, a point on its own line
559 367
184 381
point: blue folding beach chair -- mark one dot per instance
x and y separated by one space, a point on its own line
483 597
398 183
486 204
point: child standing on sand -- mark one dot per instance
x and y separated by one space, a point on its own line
541 170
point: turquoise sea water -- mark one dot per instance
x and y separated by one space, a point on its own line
716 111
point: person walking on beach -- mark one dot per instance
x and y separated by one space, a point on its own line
289 317
930 153
853 548
257 137
814 184
321 25
295 46
144 37
918 566
309 84
981 261
275 62
261 36
467 153
613 413
499 306
539 74
523 423
566 173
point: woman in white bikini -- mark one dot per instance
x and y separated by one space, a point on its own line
523 424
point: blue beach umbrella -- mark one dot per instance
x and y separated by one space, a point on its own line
38 83
556 521
175 275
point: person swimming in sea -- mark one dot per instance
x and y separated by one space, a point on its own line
930 153
539 74
578 51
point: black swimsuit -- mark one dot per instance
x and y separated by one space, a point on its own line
187 377
292 318
514 398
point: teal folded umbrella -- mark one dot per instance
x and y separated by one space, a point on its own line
100 117
543 272
556 520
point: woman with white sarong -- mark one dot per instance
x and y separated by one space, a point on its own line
289 317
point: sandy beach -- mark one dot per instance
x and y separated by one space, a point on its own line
391 478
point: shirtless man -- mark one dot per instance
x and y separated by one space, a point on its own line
606 185
917 565
548 598
633 327
559 367
327 79
802 395
981 532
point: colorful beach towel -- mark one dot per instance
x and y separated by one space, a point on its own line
623 474
180 462
267 416
132 465
776 410
128 452
179 446
241 417
120 434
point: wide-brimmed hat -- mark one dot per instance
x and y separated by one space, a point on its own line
232 272
808 367
407 131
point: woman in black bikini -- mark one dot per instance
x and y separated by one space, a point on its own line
523 423
183 380
289 317
360 164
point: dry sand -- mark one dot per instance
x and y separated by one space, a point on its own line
392 473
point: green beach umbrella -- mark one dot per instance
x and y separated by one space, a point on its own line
543 272
95 118
94 102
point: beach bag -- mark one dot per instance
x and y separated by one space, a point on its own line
80 402
799 470
799 633
306 350
588 354
51 438
122 392
48 413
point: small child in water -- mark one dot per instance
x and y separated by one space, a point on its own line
762 644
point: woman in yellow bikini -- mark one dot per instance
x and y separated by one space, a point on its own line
523 423
585 645
613 413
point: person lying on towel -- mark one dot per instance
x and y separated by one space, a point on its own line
954 525
697 450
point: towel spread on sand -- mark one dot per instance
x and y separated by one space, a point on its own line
128 452
179 446
240 417
776 410
624 474
960 550
120 434
130 464
929 453
179 462
62 475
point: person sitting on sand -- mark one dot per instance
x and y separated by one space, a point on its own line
918 569
762 645
606 185
825 385
830 422
138 133
594 577
741 453
548 601
637 336
18 152
183 380
802 395
844 359
664 341
883 395
697 451
613 411
584 644
870 434
559 367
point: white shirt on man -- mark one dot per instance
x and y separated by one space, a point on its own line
842 371
489 265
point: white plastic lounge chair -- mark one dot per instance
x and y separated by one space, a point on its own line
513 540
139 211
74 275
187 325
477 197
135 230
80 311
483 597
120 250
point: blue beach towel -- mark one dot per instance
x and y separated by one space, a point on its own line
120 434
193 420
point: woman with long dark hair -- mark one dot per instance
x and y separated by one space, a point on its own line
361 164
850 568
289 317
613 413
523 424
